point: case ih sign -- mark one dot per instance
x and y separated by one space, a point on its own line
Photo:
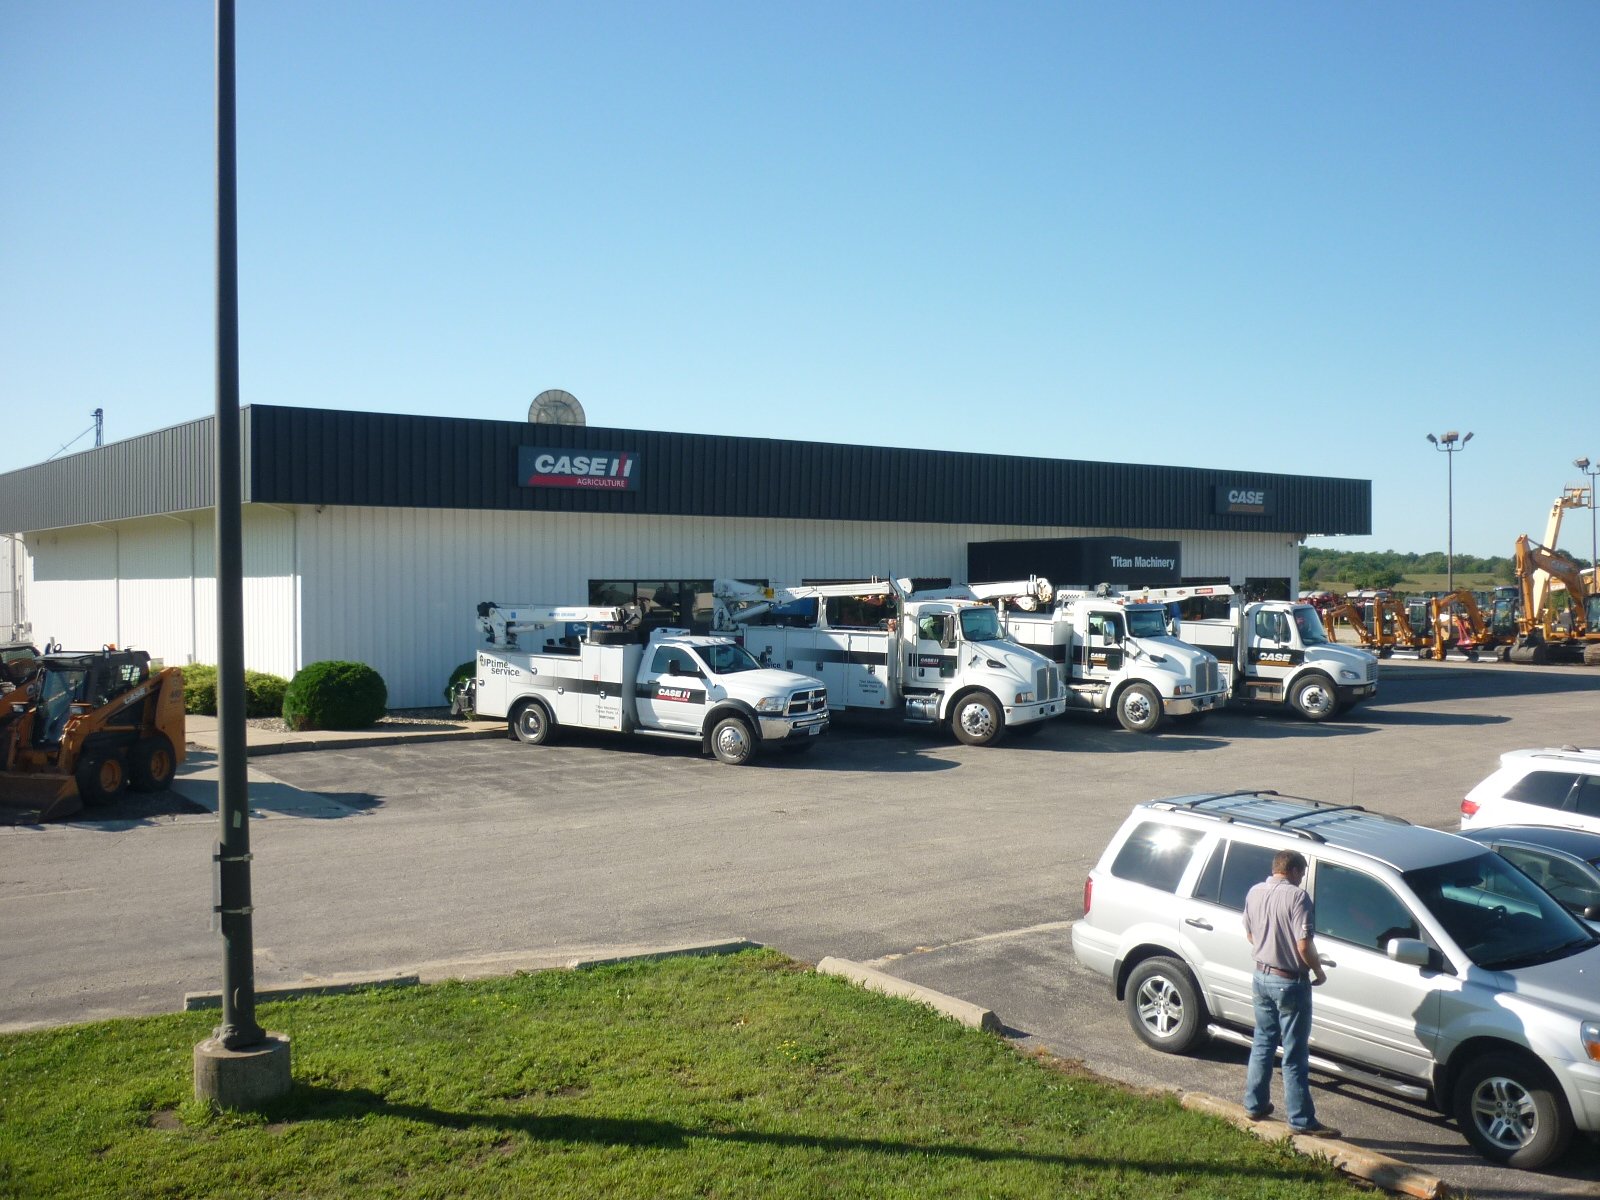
587 470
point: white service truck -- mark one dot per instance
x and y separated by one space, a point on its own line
935 662
545 667
1116 650
1274 651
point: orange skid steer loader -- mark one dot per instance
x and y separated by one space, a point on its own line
85 725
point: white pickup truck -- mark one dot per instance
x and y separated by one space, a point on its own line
588 668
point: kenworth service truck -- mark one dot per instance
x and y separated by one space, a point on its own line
934 662
1116 650
1273 651
547 667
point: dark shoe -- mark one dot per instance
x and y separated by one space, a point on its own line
1319 1130
1260 1116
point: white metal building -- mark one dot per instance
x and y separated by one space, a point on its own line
373 537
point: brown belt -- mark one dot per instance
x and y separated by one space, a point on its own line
1268 969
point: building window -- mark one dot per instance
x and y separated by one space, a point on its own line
678 603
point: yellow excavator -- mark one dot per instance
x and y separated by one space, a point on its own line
1546 633
1456 625
79 727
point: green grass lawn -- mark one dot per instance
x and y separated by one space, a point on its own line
712 1077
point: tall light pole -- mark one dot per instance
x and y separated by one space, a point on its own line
1450 444
1591 470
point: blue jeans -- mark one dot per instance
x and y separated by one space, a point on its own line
1283 1018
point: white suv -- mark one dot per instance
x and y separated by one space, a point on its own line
1554 786
1452 977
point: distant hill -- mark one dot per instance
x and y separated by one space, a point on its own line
1346 570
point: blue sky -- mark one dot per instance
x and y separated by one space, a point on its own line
1279 237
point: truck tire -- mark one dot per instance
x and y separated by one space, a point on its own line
1164 1006
976 719
1511 1111
153 765
733 741
100 777
1314 697
532 724
1139 708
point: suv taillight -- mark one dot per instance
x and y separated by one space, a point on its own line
1088 895
1469 808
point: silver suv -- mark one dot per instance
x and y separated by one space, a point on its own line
1452 977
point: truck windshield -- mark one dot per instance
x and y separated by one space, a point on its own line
981 625
1147 621
726 658
1498 916
1310 626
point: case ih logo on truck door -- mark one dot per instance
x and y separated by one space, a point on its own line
1241 501
590 470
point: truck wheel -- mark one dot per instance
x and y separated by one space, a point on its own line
1511 1112
100 778
1164 1006
1314 696
732 742
153 765
531 724
977 719
1139 708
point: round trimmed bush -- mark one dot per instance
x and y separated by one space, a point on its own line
334 695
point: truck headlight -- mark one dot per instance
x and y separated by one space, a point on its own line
1347 674
1590 1032
1183 689
1024 698
772 704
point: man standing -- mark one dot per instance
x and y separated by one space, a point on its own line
1280 921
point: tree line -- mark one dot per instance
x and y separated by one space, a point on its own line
1387 568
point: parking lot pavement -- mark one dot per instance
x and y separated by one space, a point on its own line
1047 1001
899 848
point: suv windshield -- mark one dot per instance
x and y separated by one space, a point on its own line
1310 626
725 658
981 625
1147 622
1498 916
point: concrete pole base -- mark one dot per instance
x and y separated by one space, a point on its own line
242 1079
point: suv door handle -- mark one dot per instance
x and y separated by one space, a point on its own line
1197 922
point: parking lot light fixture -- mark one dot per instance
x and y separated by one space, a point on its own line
1450 444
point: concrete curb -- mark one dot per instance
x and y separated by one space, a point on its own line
254 750
1380 1170
693 950
963 1011
195 1001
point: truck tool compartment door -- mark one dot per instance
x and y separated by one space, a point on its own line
672 691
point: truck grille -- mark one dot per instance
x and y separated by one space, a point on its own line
1047 683
1207 678
812 700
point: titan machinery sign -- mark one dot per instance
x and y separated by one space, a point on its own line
584 470
1236 501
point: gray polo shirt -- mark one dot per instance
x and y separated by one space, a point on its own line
1277 915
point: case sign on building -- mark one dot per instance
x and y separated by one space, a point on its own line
1236 501
587 470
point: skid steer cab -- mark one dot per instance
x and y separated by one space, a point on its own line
83 726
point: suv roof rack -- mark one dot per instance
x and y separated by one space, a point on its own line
1318 808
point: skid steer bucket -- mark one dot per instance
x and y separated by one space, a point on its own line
28 799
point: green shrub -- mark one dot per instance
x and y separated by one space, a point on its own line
263 693
467 670
334 695
200 690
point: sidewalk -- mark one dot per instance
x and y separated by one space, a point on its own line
201 734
